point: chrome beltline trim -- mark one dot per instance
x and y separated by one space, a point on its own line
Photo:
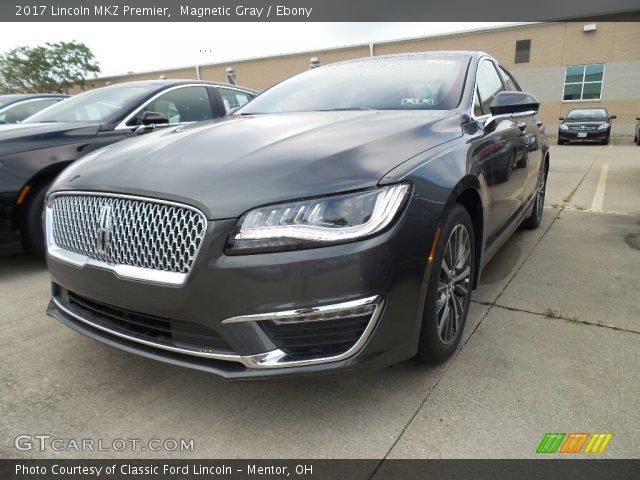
129 272
268 360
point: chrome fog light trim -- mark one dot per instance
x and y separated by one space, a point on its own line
354 308
278 359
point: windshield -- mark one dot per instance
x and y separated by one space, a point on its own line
93 106
403 83
587 113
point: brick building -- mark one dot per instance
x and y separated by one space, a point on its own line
565 64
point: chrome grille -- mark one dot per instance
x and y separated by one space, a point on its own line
142 233
582 128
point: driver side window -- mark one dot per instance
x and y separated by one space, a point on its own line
489 85
186 104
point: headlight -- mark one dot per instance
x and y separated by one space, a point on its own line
317 222
604 126
564 127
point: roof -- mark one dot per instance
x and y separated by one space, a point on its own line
171 81
19 97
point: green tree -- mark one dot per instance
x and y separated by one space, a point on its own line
52 68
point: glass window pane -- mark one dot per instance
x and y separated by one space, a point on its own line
594 73
477 108
523 51
572 91
181 105
574 74
233 99
592 91
489 84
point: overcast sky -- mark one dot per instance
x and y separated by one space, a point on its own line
138 47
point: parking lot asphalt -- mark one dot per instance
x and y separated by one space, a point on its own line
552 344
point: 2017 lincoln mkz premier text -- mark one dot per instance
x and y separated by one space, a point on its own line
339 220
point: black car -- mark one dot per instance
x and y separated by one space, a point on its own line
636 137
34 152
339 220
17 107
585 125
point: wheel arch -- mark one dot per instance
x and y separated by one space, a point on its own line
468 193
39 179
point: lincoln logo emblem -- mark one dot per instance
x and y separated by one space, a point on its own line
105 222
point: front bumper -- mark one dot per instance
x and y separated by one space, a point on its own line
230 295
591 135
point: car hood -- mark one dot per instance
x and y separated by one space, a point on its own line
238 163
22 137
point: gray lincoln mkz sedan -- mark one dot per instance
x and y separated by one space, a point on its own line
339 220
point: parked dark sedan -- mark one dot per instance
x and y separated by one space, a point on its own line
34 152
637 133
585 125
15 108
339 220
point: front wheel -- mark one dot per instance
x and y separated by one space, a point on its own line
449 289
533 221
32 231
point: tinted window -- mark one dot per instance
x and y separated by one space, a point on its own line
523 51
509 81
404 83
94 105
233 99
184 104
489 85
477 108
20 111
583 82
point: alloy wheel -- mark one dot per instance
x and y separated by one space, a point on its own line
540 191
454 284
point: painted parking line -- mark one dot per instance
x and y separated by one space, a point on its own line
598 198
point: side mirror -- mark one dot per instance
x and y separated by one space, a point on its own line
514 102
611 117
561 118
511 105
154 118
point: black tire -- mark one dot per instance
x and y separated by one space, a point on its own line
561 142
533 221
31 230
605 142
432 347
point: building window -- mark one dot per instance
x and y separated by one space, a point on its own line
523 51
583 82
